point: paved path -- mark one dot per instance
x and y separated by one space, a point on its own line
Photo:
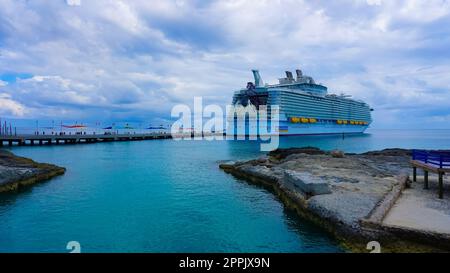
421 209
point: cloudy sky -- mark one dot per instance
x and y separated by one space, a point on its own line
133 60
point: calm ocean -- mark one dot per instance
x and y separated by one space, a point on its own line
170 196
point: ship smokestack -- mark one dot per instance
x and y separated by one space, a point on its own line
258 79
299 73
289 76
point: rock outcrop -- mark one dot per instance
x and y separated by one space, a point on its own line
346 194
16 172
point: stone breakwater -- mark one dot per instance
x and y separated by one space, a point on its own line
16 172
347 194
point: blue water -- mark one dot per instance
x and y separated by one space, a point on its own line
169 196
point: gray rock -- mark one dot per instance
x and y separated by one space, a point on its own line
19 171
283 153
306 182
259 171
8 173
337 154
262 159
227 165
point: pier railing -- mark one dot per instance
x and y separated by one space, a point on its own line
439 159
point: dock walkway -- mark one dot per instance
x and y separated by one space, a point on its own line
76 138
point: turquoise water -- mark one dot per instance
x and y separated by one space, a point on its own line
169 196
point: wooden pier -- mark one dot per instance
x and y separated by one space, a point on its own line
55 139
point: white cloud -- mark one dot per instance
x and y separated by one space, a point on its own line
373 2
10 107
73 2
424 11
3 83
123 16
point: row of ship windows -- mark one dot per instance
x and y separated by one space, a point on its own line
323 109
324 115
324 118
325 112
323 106
350 121
328 116
327 103
327 100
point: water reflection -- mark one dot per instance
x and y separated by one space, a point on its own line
348 143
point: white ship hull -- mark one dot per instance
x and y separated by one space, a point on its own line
290 129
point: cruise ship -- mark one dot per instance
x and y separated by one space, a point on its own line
305 107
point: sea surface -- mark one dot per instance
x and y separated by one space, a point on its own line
170 196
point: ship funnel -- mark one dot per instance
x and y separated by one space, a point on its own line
299 73
289 75
258 80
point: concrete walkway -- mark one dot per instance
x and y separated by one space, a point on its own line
421 209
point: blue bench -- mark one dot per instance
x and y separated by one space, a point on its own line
431 161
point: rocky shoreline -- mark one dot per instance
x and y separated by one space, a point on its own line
349 195
17 172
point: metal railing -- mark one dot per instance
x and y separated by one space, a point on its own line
435 158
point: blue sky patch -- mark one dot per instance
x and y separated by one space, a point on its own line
11 77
